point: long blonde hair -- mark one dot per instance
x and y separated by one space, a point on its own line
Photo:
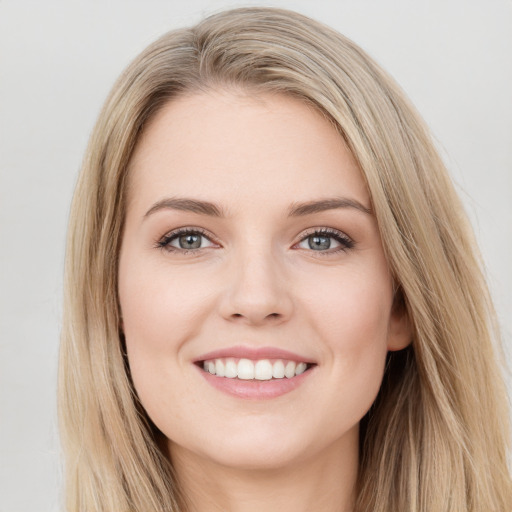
436 439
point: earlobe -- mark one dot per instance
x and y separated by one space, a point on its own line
400 325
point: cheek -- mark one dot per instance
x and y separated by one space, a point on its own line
351 308
351 314
158 314
160 307
162 310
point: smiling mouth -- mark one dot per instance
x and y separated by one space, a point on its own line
261 369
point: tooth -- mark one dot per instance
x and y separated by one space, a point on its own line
219 368
263 370
301 368
278 370
230 369
245 369
289 371
211 367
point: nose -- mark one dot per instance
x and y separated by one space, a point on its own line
256 290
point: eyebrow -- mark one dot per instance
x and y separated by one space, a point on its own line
296 210
309 207
186 205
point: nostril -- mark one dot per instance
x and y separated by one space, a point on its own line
256 316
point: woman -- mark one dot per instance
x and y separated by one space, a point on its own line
273 297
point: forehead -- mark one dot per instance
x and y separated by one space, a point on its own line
233 146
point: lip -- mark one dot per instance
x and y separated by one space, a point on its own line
255 389
254 353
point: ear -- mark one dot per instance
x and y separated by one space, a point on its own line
400 325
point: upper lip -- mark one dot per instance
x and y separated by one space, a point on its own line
254 353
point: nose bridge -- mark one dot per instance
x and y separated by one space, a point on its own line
256 285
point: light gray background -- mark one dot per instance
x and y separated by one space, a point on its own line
58 60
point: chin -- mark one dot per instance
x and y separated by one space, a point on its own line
255 456
261 446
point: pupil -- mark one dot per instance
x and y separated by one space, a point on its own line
190 241
319 243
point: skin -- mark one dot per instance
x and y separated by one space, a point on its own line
255 282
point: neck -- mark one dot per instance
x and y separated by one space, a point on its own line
324 483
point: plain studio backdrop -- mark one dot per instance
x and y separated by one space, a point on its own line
58 60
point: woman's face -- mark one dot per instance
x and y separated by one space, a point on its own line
250 250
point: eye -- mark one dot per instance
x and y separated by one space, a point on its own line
326 240
185 240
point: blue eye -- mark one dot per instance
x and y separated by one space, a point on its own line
325 240
185 240
192 239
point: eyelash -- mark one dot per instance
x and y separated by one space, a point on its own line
345 242
165 241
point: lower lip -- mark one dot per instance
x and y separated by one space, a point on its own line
255 389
